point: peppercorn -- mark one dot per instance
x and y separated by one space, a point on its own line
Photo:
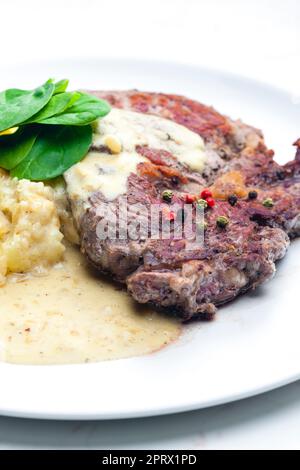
232 199
280 175
210 202
205 194
268 202
189 198
252 195
168 215
222 221
167 195
171 216
201 204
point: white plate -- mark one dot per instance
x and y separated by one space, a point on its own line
252 346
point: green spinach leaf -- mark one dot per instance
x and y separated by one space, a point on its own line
16 106
14 148
55 150
38 151
61 86
85 110
58 104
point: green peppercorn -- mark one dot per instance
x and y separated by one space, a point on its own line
201 203
222 221
167 195
232 199
268 202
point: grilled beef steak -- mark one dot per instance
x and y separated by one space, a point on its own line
236 256
169 274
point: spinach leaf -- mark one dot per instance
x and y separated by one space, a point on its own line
37 151
57 104
55 150
14 148
16 106
85 110
61 86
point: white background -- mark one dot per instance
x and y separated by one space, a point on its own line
259 39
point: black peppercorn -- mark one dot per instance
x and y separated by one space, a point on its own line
232 199
280 175
252 195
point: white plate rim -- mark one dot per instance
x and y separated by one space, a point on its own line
20 412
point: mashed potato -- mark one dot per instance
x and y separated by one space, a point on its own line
30 239
67 224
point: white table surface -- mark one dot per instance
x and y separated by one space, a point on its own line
256 38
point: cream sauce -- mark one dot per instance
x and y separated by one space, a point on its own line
72 315
121 131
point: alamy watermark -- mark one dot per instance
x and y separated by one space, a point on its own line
137 222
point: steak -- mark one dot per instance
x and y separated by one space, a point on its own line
192 280
166 273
